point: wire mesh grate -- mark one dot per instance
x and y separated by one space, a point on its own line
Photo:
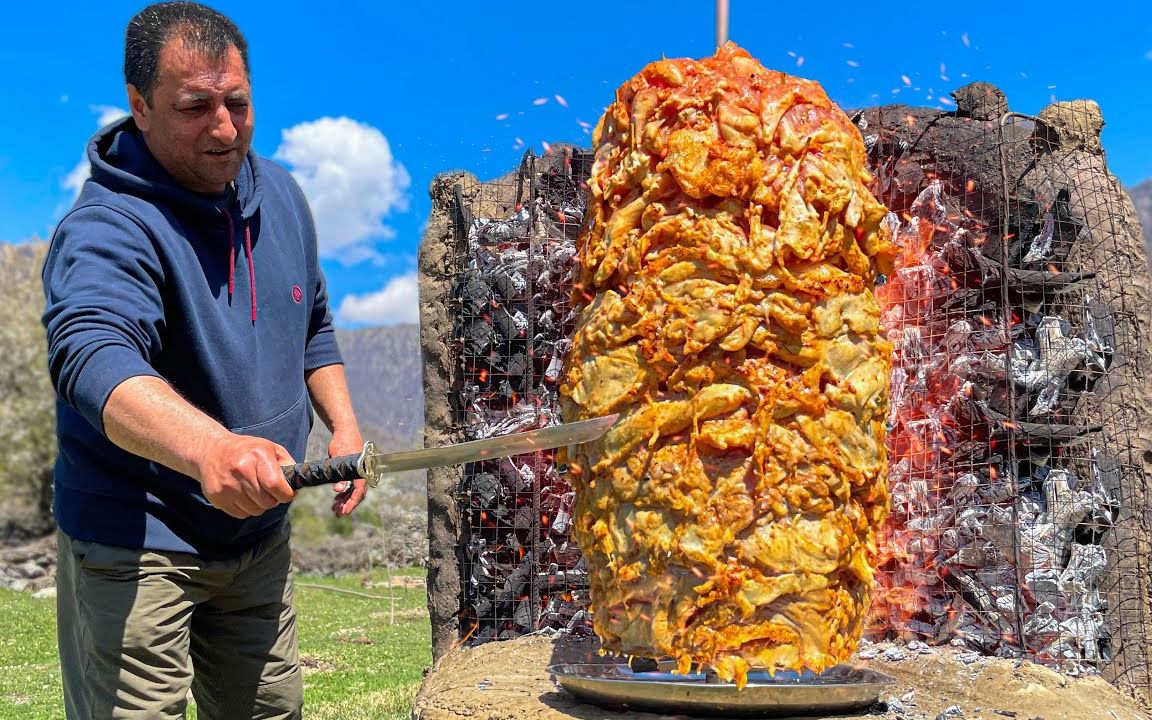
1010 471
520 570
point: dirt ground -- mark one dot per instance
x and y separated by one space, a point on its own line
509 681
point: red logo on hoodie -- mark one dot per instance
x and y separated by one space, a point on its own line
297 294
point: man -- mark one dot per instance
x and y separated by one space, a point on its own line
188 328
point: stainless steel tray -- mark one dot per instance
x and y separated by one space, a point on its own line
838 690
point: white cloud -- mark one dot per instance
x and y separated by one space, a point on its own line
352 182
108 114
74 180
396 302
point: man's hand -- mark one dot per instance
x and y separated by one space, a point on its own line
328 389
348 495
241 474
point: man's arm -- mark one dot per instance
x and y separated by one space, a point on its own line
103 312
328 389
240 474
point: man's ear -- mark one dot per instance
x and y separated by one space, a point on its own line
139 106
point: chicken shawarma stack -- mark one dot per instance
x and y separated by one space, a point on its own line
726 275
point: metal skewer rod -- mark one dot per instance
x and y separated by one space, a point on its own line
721 22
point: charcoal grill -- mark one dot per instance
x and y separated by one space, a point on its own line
1020 463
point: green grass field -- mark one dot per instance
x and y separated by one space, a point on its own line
362 656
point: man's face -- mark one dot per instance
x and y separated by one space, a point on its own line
199 124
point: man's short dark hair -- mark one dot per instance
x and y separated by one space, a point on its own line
201 27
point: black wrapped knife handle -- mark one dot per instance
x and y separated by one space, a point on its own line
344 468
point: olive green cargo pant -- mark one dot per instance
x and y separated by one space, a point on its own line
134 625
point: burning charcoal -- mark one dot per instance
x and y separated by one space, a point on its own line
478 337
972 556
485 487
473 294
1057 232
519 286
514 368
1035 288
507 286
566 553
1046 436
546 323
1085 565
1081 634
1101 324
971 591
1040 247
515 582
580 623
484 635
1056 356
518 419
506 324
1066 508
510 479
1106 496
522 616
554 369
564 515
527 477
1099 336
524 518
493 232
1001 488
1045 585
979 366
1103 517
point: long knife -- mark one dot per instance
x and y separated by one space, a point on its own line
372 465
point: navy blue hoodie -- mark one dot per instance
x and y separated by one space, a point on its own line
144 277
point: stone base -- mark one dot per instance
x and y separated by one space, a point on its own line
509 681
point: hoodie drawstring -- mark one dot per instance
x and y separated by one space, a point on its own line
232 262
251 271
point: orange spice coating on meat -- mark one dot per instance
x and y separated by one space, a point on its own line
726 277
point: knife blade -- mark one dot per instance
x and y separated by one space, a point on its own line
372 465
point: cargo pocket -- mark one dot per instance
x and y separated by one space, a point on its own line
108 560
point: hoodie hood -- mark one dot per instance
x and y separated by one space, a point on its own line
122 162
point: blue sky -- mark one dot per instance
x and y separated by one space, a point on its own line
367 101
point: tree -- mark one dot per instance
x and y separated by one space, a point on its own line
27 401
